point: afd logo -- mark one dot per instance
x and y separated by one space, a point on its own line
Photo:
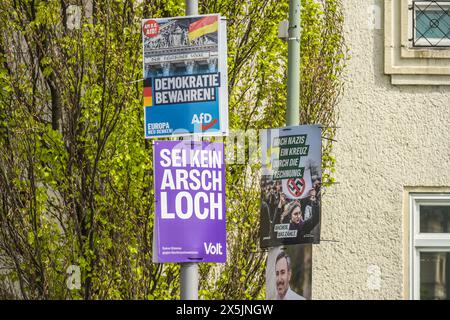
205 120
213 249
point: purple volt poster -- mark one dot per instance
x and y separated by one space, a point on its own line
190 222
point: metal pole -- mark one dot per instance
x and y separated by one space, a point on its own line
191 7
293 82
189 281
189 271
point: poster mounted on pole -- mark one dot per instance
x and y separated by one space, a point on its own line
185 76
290 185
289 273
190 222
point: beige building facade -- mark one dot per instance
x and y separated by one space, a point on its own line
385 222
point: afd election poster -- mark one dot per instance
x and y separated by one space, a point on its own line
289 273
291 181
185 76
190 222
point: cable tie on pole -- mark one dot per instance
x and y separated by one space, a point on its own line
134 81
329 139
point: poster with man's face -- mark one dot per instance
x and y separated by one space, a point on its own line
290 185
289 273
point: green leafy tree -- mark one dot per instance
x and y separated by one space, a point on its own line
75 171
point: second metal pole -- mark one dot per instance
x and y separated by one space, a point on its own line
191 7
293 82
189 271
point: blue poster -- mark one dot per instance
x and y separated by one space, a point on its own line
185 76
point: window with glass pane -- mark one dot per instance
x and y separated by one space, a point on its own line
435 275
431 27
434 219
430 246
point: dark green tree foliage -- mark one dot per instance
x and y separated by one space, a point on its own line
75 171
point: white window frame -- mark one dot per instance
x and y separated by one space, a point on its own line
424 43
424 242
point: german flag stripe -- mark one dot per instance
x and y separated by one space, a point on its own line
203 26
147 91
148 82
148 101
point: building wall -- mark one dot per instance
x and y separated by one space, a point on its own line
390 138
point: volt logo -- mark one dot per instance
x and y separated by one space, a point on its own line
205 120
213 249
